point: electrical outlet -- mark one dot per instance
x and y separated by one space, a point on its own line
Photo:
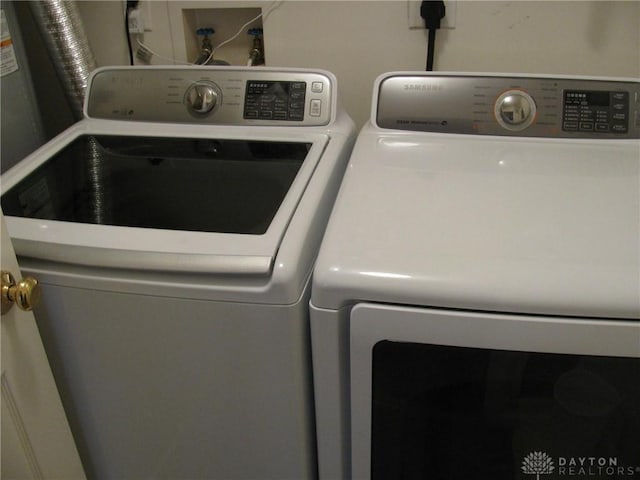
145 8
140 17
136 22
416 21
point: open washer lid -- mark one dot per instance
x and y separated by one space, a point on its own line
180 169
507 223
138 199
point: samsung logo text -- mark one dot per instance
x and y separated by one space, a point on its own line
422 87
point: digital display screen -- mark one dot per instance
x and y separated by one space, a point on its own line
275 100
591 98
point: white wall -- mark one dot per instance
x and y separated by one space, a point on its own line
358 40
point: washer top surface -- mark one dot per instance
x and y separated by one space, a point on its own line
223 171
487 223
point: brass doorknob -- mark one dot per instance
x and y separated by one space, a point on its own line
25 294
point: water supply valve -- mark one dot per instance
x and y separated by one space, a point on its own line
256 54
204 57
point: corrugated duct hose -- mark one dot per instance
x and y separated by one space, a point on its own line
63 33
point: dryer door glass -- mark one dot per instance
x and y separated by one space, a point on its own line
192 184
456 413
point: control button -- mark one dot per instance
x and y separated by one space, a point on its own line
266 114
619 95
298 86
316 87
251 114
619 106
602 127
619 116
296 115
570 126
588 126
619 127
296 106
279 115
316 108
297 96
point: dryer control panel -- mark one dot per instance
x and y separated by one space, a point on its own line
509 105
212 96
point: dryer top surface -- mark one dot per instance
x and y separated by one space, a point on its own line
486 223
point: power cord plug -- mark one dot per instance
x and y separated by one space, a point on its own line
432 11
130 5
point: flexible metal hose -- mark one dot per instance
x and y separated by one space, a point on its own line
63 32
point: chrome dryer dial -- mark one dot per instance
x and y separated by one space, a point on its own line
515 110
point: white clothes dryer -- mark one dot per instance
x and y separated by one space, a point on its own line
475 306
173 231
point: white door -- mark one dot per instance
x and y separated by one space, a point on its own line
36 439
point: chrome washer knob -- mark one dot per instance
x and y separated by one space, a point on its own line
202 98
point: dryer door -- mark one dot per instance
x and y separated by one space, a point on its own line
459 395
216 204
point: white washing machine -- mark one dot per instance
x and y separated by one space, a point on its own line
475 306
174 231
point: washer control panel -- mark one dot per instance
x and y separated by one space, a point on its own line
211 95
504 105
